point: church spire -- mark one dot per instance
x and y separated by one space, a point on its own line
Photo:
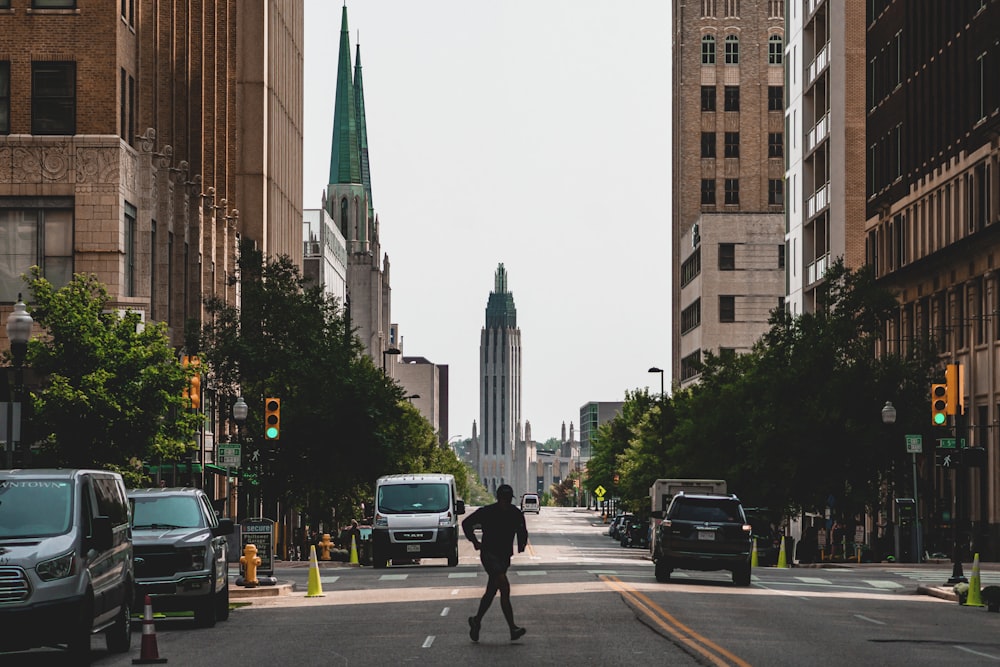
359 113
345 161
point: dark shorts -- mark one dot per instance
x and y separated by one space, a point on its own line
494 563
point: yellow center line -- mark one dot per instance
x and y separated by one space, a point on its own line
668 623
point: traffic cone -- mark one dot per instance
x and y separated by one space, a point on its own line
315 589
782 558
975 597
354 551
753 555
149 655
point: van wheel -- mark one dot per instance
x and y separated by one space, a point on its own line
379 560
453 558
204 613
79 639
119 635
222 603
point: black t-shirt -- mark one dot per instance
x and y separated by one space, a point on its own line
501 523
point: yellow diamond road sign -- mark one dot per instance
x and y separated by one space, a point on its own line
600 490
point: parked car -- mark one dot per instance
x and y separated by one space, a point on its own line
635 533
65 560
614 531
704 532
181 552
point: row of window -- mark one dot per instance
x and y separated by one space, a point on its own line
731 9
731 43
775 144
731 97
691 267
775 192
53 97
53 4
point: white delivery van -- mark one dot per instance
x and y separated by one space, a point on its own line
65 560
416 516
529 502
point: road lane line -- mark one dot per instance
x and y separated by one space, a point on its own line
870 620
985 655
428 641
444 612
670 624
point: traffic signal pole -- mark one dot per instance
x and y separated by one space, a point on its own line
956 406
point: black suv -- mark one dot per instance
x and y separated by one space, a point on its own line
181 552
704 532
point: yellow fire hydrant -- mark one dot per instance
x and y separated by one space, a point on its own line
250 561
324 546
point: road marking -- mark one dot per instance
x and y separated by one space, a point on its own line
814 580
328 580
881 583
393 577
444 612
428 641
463 575
870 620
530 573
985 655
455 591
602 572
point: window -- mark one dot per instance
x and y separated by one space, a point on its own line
732 144
775 144
781 256
732 94
53 4
35 231
708 98
775 192
53 98
727 257
732 191
708 50
708 144
707 192
122 103
691 365
152 269
732 50
691 317
775 98
128 287
691 268
775 50
727 308
5 97
707 9
732 8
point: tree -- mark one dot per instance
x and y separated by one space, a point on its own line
111 393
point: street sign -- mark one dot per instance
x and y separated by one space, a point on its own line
914 444
945 458
260 533
229 454
600 490
949 443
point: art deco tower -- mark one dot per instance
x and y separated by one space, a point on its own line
501 457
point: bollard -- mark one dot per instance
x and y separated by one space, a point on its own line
250 561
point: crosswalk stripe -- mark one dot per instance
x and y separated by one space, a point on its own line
463 575
882 583
393 577
814 580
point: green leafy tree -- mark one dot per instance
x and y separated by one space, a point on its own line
111 392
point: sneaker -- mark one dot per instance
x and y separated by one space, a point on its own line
516 633
474 624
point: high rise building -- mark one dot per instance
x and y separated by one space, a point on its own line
825 116
502 458
728 227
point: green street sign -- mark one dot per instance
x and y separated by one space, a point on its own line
914 444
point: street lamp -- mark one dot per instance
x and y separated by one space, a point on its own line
654 369
393 351
19 324
240 412
411 397
889 418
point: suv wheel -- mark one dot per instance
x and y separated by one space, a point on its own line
741 575
204 613
663 570
222 603
119 635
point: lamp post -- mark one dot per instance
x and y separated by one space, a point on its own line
411 397
654 369
240 412
19 324
393 351
889 418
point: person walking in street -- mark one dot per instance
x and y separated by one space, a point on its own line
500 522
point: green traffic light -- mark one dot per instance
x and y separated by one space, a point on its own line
939 418
272 432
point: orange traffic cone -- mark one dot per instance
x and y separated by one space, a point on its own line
149 655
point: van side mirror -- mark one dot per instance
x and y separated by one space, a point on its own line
459 507
225 527
103 536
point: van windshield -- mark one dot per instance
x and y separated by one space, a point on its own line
35 507
413 498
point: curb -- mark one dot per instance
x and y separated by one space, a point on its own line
937 592
242 593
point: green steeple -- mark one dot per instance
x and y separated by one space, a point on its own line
359 112
500 311
345 161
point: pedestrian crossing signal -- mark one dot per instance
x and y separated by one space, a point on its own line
939 404
272 418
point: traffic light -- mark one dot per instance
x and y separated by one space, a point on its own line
939 404
192 391
272 418
955 397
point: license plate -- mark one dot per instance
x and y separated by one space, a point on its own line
706 534
413 548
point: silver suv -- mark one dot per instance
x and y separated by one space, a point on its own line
181 552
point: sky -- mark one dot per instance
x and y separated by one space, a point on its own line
533 133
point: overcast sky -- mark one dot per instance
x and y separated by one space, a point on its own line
529 132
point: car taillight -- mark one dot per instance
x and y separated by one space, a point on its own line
747 528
